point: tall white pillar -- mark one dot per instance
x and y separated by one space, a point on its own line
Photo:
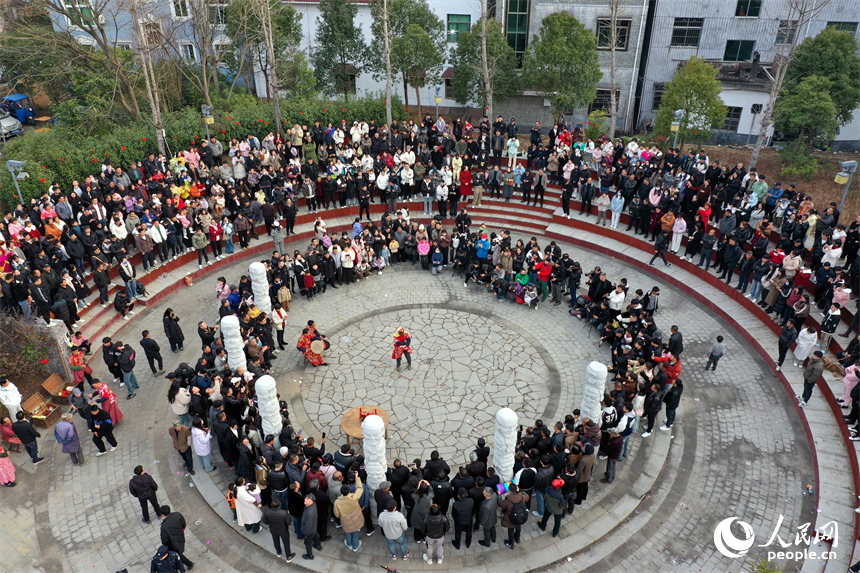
505 445
375 463
267 402
260 286
593 390
233 342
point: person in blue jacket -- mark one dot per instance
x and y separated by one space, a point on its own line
437 259
483 247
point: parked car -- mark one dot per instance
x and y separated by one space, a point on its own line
9 125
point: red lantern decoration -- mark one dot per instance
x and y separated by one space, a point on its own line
407 109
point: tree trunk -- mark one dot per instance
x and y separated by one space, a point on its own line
387 50
418 97
767 112
145 57
614 8
485 66
405 90
266 20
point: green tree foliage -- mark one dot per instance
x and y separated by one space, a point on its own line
832 55
340 49
63 154
694 89
467 81
807 109
561 63
418 42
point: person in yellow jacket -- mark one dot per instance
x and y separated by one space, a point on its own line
348 510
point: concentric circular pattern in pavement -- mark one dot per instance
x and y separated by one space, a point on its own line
737 448
465 367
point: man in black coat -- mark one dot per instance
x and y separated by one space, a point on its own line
676 342
110 358
279 526
324 509
462 512
382 496
102 429
143 487
398 475
786 338
27 434
152 351
173 533
442 491
434 465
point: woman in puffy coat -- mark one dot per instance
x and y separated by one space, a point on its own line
172 330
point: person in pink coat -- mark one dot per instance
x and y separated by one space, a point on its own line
849 381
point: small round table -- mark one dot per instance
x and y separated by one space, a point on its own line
351 422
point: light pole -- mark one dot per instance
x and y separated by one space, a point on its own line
16 169
676 126
206 110
438 100
845 176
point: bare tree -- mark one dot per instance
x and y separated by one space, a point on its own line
87 40
144 56
615 7
265 15
485 66
387 52
202 28
797 14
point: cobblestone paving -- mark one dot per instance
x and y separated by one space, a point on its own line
459 379
737 449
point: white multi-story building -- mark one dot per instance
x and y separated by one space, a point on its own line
655 37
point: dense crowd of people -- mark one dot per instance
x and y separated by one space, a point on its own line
209 198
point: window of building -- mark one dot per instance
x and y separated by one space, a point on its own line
123 46
748 8
786 32
518 27
449 89
180 8
658 97
602 101
218 12
458 23
733 118
152 31
604 33
738 50
188 52
80 13
850 27
687 31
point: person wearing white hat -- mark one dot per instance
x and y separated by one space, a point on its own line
277 234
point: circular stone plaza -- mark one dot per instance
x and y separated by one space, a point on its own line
740 447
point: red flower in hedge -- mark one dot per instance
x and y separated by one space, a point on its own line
44 166
44 361
43 179
61 158
223 131
267 123
94 159
344 109
324 111
229 117
144 139
237 123
123 147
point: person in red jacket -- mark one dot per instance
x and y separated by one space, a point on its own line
216 232
544 270
672 365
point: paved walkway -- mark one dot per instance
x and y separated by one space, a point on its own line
725 458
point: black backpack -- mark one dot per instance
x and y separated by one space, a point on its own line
519 514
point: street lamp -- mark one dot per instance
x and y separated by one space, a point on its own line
676 126
206 110
16 169
845 176
438 101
